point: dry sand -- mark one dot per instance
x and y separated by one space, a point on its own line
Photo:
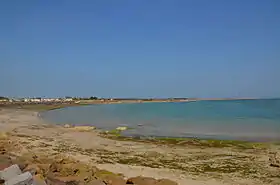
184 164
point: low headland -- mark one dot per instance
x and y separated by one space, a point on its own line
113 158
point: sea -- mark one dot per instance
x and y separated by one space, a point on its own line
253 120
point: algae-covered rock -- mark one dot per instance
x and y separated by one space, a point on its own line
121 128
82 128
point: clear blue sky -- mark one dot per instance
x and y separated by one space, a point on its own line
140 48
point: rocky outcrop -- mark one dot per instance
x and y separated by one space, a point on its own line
62 170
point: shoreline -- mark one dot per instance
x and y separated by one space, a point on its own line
186 162
41 108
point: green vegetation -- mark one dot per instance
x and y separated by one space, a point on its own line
203 143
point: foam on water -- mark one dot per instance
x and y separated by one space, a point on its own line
234 119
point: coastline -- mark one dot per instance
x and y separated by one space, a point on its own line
185 162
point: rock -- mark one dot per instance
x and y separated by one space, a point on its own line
96 182
121 128
165 182
22 179
67 126
109 178
71 169
61 181
113 180
141 180
83 128
10 172
33 169
274 159
22 164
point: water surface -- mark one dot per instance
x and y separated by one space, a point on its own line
233 119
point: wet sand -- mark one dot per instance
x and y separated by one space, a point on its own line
187 164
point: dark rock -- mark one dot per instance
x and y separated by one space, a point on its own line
141 180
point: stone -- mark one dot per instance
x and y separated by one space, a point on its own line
61 181
22 164
82 128
22 179
165 182
141 180
121 128
113 180
10 172
33 169
77 170
67 126
96 182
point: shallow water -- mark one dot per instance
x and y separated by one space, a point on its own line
234 119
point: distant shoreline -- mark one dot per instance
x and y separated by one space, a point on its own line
57 105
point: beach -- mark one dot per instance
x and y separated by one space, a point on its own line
184 163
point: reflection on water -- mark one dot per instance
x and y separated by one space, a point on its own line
240 119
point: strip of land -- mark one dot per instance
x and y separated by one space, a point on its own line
196 162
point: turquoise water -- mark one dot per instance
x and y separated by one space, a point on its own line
234 119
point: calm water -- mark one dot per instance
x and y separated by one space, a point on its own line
238 119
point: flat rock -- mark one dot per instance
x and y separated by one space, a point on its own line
141 180
22 179
61 181
113 180
165 182
96 182
10 172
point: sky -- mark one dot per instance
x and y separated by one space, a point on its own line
140 48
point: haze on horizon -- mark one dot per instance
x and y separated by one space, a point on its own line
180 48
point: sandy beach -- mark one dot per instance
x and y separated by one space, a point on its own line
185 164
